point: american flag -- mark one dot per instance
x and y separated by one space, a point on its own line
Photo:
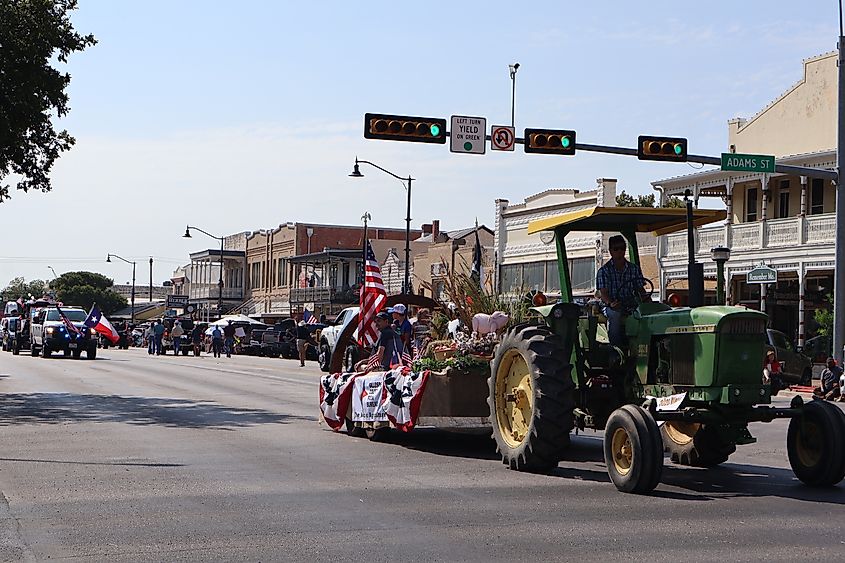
372 300
406 358
373 362
70 326
310 318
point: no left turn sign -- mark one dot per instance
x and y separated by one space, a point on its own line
502 138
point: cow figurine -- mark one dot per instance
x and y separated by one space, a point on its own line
483 323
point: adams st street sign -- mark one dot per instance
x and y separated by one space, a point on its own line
748 162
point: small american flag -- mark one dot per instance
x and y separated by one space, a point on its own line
310 318
373 362
406 358
68 324
372 300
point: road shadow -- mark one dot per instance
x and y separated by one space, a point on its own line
58 408
584 460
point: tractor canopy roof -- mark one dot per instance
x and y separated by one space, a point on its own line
660 221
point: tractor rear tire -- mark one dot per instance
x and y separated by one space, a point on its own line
633 450
695 445
531 399
815 446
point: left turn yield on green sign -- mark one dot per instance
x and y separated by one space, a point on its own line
468 134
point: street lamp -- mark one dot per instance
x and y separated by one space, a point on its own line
220 281
512 69
356 173
132 302
720 255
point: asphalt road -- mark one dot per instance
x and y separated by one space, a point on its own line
131 457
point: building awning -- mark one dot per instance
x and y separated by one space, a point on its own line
325 255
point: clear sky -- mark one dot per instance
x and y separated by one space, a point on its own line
238 116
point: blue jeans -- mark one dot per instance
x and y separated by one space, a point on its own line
616 327
177 340
157 340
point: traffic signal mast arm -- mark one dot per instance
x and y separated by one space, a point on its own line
700 159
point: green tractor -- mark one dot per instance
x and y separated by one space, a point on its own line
688 382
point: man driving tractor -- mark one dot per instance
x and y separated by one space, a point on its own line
617 281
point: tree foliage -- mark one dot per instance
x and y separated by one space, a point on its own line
625 200
83 289
34 34
20 288
824 318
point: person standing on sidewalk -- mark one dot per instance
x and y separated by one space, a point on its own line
150 335
302 339
216 341
229 338
158 331
176 335
196 338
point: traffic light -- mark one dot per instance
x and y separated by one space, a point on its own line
672 149
550 141
404 128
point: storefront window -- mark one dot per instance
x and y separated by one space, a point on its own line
533 276
511 277
552 276
583 274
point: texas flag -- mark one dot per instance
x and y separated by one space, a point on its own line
99 323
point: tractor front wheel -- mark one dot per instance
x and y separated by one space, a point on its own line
694 444
531 398
633 450
815 446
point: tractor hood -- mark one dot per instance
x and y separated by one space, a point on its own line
717 318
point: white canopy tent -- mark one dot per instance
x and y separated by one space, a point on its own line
241 319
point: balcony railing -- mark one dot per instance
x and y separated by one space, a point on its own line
210 292
326 294
757 236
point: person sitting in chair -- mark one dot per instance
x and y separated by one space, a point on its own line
617 281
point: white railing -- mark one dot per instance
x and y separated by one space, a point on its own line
820 229
783 232
210 292
750 237
746 236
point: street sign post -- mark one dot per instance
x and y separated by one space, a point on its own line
502 138
468 134
748 162
762 274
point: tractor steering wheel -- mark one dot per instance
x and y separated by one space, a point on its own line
638 284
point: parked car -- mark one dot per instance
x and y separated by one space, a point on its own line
797 368
818 348
329 337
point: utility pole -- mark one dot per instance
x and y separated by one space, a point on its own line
151 280
838 274
512 69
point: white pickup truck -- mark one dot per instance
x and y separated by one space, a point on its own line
329 337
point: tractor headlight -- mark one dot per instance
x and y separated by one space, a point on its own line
49 330
92 332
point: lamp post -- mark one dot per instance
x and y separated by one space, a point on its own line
720 255
356 173
220 281
132 302
512 69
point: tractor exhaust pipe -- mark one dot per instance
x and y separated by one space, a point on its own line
695 275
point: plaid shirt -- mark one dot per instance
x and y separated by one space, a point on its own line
611 279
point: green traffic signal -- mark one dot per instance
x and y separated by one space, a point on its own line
678 149
404 128
565 142
550 141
